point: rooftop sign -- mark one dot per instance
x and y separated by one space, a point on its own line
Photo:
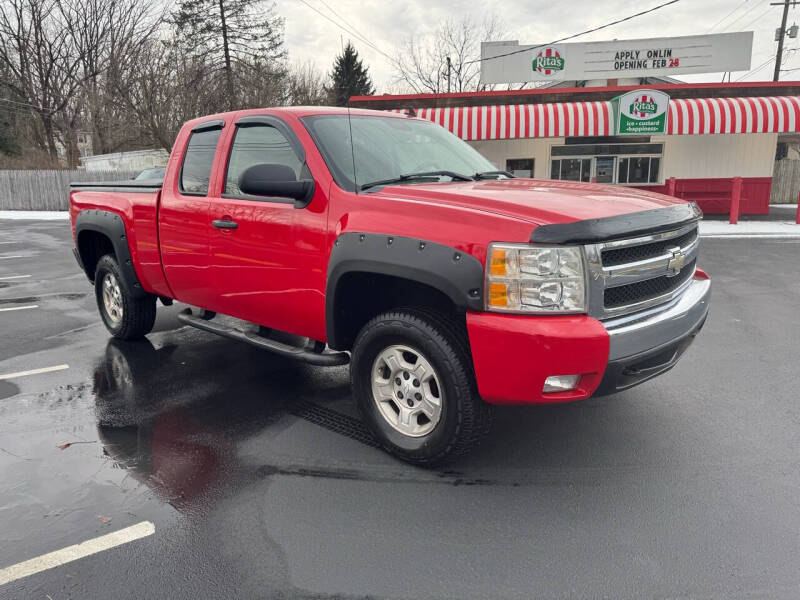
715 53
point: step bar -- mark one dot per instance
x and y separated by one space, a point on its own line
324 359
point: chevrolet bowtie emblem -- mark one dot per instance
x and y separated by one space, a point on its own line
675 263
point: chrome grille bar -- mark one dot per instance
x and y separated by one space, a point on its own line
669 262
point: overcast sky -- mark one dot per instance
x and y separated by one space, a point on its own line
310 37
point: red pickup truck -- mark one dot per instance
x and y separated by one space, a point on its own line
382 240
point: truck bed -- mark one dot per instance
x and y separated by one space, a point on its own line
136 203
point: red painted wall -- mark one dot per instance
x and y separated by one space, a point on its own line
714 195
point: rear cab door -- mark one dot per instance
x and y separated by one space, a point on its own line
184 212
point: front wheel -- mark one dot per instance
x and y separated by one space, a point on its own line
126 317
413 381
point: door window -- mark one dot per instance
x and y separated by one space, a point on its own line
604 169
196 169
257 143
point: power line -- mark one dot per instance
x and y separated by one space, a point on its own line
347 30
743 15
738 6
21 103
765 63
757 18
570 37
330 8
757 69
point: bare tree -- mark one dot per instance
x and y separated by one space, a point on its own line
42 61
162 87
421 64
55 51
306 86
110 36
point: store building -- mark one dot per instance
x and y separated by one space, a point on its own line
714 133
710 133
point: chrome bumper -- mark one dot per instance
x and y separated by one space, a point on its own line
648 331
647 344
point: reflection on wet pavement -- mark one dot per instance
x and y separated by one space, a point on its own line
174 423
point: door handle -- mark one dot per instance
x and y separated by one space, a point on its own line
224 224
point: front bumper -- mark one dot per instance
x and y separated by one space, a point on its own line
643 347
514 354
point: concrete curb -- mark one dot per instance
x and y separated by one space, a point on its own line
34 215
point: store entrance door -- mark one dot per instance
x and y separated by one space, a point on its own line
604 168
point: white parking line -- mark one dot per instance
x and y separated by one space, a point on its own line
9 242
751 236
19 307
13 256
14 277
33 372
76 552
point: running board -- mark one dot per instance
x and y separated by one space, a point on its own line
325 359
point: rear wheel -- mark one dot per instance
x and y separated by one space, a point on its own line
126 317
413 381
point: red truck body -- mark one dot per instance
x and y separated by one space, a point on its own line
274 268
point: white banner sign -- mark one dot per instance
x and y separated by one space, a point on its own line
508 62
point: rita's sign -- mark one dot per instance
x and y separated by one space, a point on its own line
511 62
641 112
548 62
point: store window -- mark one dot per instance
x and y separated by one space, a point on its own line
520 167
571 169
607 160
643 169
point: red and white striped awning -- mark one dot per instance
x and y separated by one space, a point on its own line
694 116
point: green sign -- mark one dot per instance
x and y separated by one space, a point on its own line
641 112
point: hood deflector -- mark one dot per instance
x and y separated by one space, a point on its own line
620 226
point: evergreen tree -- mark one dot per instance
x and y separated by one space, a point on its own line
242 39
349 77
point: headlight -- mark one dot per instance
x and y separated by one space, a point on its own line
537 279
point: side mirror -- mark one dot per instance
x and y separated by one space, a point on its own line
278 181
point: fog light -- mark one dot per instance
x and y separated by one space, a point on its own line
560 383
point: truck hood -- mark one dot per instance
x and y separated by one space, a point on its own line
540 202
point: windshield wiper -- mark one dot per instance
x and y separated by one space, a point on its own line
492 175
412 176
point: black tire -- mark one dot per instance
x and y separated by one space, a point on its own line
464 420
137 314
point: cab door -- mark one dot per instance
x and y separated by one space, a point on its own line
267 257
183 215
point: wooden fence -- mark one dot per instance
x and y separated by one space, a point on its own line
785 182
46 190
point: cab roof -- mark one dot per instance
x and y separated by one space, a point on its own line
297 111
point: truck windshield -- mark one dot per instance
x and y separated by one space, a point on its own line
390 149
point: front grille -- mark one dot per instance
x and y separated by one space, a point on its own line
620 256
648 289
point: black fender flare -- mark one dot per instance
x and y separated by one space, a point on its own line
455 273
112 226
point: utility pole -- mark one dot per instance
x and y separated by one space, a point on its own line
780 34
449 67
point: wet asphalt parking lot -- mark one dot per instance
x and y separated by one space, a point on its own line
244 475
